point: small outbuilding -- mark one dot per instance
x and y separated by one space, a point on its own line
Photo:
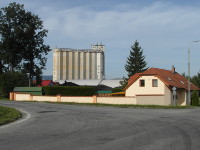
31 90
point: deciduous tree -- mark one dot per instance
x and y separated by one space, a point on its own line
22 40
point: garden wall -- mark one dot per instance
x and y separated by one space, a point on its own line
77 99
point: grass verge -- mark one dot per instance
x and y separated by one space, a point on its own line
8 114
125 106
4 99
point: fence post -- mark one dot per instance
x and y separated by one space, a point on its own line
94 98
15 96
58 98
31 97
11 96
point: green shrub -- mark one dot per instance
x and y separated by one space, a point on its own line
115 90
195 98
8 81
69 90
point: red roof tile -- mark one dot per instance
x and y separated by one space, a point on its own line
46 83
168 77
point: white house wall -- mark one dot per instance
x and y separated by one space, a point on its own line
168 96
151 100
135 88
181 97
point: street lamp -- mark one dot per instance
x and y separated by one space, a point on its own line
189 99
29 79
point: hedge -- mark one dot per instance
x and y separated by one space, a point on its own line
69 90
8 81
115 90
195 98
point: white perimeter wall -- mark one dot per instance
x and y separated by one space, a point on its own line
138 100
22 97
151 100
117 100
76 99
45 98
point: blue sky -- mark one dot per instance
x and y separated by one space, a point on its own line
164 30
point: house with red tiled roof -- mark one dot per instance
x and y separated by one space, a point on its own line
159 87
48 83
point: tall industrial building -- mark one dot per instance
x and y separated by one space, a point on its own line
75 64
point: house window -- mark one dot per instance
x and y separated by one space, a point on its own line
142 83
154 83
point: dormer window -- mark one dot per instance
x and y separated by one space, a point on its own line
142 83
169 79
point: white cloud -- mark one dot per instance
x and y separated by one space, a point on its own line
162 29
81 23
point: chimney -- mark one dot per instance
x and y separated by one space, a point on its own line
173 69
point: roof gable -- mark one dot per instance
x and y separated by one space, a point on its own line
46 83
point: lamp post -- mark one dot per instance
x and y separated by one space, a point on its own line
29 79
189 99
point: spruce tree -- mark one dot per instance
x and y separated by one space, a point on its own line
135 63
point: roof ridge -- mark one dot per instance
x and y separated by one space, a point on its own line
161 69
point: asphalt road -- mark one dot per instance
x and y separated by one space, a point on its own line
69 127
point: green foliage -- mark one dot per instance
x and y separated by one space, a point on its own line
22 45
124 82
195 98
8 81
69 90
102 87
115 90
183 74
8 115
196 80
10 53
135 63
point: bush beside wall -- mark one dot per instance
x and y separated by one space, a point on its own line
8 81
115 90
195 98
69 90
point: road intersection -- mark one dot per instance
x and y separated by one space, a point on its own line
55 126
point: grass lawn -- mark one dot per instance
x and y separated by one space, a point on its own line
4 99
8 114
